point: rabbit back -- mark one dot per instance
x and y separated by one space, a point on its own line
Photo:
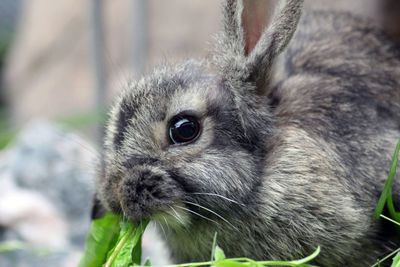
337 109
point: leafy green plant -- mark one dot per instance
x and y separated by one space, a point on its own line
76 121
128 250
102 237
83 119
219 260
116 242
113 242
12 245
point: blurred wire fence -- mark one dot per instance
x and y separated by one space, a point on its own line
9 12
9 15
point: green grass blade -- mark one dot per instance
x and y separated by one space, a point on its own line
390 220
387 189
230 263
308 258
378 263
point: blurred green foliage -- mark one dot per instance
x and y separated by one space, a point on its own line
5 134
76 121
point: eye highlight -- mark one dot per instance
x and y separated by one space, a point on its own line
183 129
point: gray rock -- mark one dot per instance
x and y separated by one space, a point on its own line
47 180
60 166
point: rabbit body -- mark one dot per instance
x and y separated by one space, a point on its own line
288 158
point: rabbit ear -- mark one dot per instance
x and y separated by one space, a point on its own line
255 16
249 43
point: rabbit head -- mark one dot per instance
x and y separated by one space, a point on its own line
186 135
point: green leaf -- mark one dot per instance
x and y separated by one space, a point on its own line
137 241
102 237
396 260
219 254
127 251
136 252
386 196
113 242
121 255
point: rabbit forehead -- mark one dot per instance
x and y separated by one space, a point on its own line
143 112
194 98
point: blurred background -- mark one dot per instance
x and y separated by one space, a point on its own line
61 64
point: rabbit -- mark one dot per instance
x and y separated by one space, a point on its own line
279 143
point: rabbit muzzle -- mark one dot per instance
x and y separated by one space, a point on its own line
146 191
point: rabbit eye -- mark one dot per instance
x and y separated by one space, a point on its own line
183 129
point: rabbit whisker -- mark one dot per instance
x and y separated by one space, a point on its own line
220 196
185 228
166 222
211 211
162 228
176 215
79 142
195 213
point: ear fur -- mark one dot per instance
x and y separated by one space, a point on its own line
248 46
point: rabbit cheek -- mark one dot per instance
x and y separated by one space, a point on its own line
145 192
108 191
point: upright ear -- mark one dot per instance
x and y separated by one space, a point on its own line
253 37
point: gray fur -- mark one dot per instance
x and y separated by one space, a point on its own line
288 160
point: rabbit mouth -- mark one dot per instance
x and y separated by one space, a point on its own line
144 193
166 197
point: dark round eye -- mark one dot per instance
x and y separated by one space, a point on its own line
183 129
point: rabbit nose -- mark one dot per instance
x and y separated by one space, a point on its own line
144 192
